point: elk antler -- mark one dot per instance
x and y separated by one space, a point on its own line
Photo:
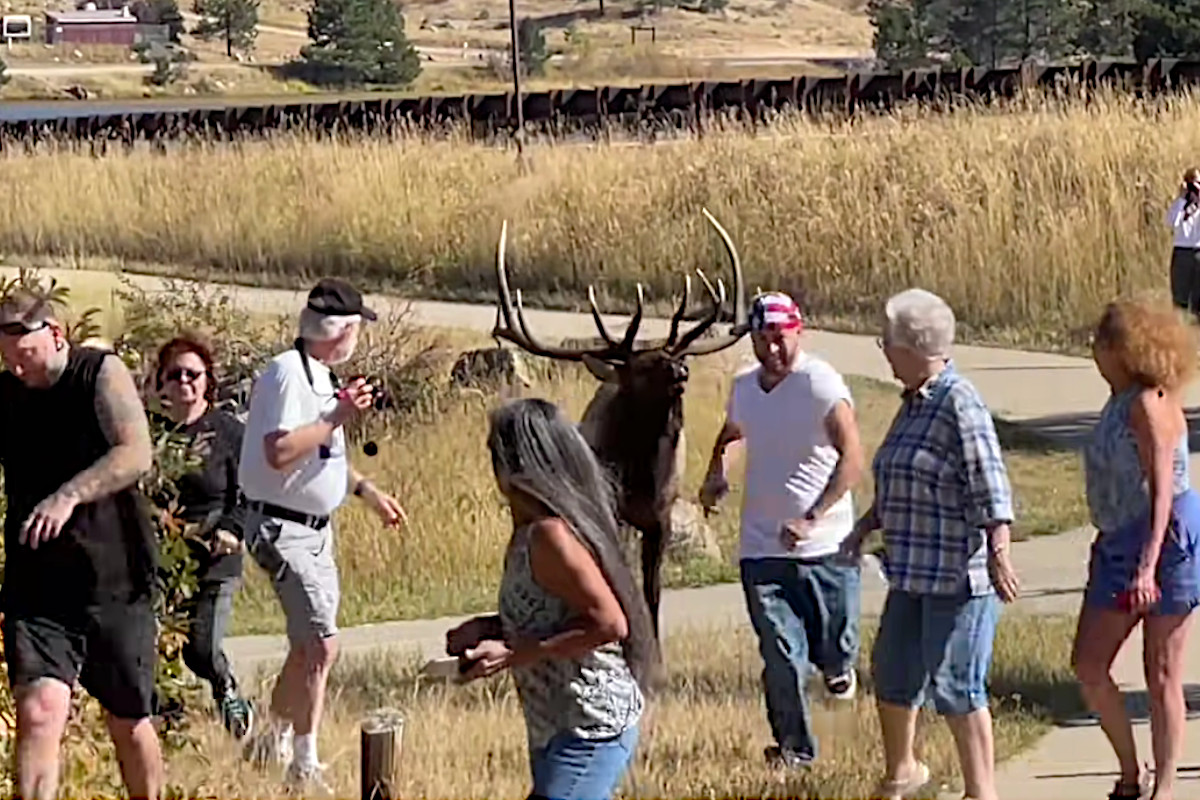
523 337
687 346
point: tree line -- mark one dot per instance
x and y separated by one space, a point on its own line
912 34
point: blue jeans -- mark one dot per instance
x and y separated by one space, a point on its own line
571 768
943 641
804 613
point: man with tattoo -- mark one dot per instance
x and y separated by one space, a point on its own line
80 552
294 474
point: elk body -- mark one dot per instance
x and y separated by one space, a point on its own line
634 422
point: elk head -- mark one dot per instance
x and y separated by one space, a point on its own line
651 372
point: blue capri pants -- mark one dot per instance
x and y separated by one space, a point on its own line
935 644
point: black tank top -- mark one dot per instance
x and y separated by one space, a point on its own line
106 552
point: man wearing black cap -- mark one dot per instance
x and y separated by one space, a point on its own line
294 473
79 548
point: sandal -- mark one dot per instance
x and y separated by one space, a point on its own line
897 789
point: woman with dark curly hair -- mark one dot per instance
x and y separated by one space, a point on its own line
186 383
1145 560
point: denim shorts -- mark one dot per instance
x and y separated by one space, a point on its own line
938 642
573 768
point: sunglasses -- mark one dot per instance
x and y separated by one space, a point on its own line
19 328
182 373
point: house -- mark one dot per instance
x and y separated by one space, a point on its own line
92 26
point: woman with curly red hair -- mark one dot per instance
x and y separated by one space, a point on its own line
1145 560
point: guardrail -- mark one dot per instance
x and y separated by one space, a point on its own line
567 111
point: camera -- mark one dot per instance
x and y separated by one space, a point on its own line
381 399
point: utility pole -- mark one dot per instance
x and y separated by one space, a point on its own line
516 68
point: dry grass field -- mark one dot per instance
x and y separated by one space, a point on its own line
745 27
1027 219
703 737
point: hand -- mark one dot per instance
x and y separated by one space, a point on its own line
47 519
489 656
469 634
714 489
387 506
795 531
224 543
353 399
850 550
1143 590
1004 576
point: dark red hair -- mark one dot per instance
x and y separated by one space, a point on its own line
188 343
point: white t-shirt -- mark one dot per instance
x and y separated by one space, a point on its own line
789 458
282 399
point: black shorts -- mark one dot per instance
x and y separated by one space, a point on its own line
111 649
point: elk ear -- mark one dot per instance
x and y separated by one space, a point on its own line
601 369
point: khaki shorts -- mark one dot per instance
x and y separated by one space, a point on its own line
299 561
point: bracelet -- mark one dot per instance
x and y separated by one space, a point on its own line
358 487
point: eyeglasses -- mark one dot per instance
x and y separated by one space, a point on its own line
182 373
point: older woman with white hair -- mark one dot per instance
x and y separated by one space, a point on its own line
943 503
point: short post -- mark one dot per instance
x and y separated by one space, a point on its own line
382 737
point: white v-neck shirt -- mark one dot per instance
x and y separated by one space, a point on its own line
789 458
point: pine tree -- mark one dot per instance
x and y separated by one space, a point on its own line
234 21
1166 29
357 42
531 43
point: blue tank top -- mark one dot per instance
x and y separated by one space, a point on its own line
1117 491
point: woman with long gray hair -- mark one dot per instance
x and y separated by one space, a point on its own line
572 625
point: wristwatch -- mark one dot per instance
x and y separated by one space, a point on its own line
358 487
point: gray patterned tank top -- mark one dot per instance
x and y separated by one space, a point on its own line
593 697
1117 490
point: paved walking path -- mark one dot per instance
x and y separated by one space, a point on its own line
1056 394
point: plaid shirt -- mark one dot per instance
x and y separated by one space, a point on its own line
939 481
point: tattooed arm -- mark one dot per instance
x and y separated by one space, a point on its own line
123 418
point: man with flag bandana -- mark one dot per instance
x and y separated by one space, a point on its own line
796 417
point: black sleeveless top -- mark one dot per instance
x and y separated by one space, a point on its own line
106 552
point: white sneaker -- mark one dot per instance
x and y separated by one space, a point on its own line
842 687
307 780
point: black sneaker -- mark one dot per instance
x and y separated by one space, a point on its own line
787 758
843 687
238 716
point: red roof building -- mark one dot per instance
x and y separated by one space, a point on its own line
115 26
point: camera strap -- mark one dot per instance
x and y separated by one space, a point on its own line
333 379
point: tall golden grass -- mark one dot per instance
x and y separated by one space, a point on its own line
703 736
1027 219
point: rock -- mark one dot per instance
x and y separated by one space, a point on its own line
691 535
491 368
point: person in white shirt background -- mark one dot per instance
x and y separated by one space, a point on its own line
803 456
1183 217
294 474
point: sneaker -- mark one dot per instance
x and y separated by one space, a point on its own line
273 745
844 686
787 758
307 781
238 716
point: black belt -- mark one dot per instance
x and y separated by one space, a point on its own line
271 510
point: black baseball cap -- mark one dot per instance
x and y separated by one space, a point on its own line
336 298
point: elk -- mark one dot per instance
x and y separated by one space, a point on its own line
634 422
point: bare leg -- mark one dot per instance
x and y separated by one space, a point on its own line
976 753
42 709
310 697
139 754
1166 637
899 726
288 686
1098 639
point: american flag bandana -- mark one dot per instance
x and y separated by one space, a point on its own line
775 310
